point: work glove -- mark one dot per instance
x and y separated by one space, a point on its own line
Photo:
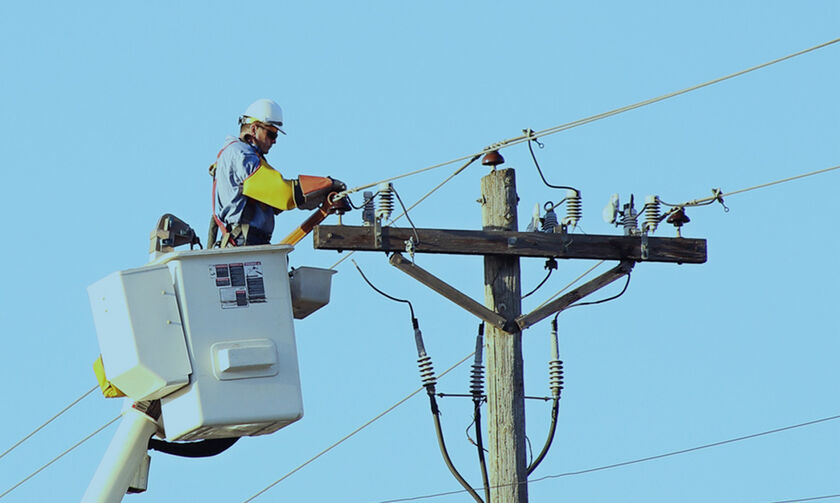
312 191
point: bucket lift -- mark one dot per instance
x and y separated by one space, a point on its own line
208 333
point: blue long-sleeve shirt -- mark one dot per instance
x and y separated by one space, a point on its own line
237 162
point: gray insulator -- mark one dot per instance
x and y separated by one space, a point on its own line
550 221
477 381
555 379
369 209
630 221
427 372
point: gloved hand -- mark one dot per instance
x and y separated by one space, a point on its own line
312 191
338 185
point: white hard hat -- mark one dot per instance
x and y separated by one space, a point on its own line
265 111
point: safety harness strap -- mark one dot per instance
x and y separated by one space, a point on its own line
236 230
219 224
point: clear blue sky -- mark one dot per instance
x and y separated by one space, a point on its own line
110 114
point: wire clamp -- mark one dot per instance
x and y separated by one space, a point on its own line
532 136
718 195
644 248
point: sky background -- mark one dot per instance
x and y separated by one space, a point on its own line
111 112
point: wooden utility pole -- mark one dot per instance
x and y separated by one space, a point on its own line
505 386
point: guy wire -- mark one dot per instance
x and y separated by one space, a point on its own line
67 451
36 430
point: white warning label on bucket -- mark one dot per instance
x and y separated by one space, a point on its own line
240 284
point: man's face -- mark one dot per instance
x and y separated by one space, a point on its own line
264 136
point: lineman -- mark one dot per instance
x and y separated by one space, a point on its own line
247 191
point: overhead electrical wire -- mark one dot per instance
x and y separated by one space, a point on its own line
645 459
551 266
619 294
67 451
380 292
48 421
541 283
583 275
539 170
718 196
813 498
533 135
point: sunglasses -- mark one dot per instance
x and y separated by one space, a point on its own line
269 132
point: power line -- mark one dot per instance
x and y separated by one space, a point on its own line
533 135
36 430
650 458
721 195
80 442
814 498
357 430
640 104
